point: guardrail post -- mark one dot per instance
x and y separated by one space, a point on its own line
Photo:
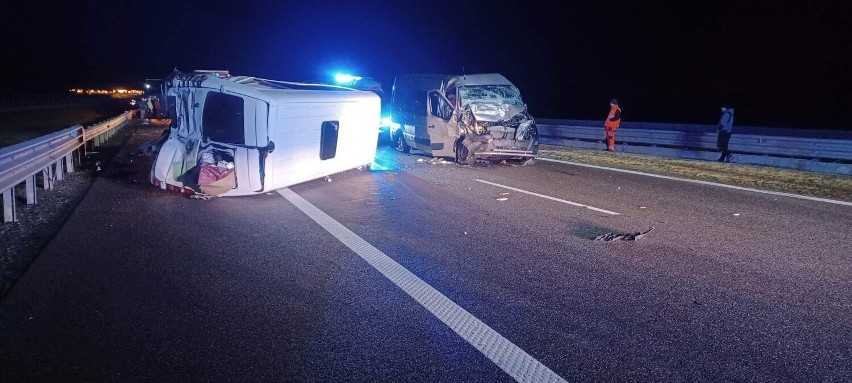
47 177
60 174
32 195
9 205
69 163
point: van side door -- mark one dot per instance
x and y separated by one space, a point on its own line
441 138
421 137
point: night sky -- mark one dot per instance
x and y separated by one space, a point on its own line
779 63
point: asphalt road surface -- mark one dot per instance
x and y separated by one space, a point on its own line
421 271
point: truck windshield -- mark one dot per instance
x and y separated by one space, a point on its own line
492 94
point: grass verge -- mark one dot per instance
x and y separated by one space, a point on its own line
753 176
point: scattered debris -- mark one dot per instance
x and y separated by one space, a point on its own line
438 160
528 162
201 196
502 199
634 236
641 207
506 193
327 179
736 214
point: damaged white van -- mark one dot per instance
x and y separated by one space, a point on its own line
239 135
465 117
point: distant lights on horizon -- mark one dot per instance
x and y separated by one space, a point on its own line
119 91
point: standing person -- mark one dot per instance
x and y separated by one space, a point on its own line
143 105
613 121
157 110
150 105
725 128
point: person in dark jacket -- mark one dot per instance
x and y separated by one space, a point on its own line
613 121
725 128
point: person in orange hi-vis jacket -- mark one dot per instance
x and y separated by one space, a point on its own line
613 121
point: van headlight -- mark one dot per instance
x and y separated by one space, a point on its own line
525 130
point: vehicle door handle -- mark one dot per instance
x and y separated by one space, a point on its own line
431 126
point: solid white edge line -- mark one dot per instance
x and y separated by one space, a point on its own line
505 354
548 197
702 182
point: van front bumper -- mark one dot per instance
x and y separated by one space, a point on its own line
505 154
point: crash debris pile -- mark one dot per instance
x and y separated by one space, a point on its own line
215 176
634 236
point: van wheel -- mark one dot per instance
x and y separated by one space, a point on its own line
463 155
401 146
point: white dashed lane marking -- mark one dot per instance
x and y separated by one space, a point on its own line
509 357
548 197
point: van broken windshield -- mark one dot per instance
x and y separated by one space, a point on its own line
492 94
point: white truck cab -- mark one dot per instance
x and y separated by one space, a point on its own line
240 135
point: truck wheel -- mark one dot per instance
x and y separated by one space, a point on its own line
401 145
463 155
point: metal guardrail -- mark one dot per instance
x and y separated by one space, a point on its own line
699 142
51 156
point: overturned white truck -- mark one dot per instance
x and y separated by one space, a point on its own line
240 135
465 117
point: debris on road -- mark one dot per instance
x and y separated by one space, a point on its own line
92 161
502 199
327 179
634 236
736 214
201 196
506 193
